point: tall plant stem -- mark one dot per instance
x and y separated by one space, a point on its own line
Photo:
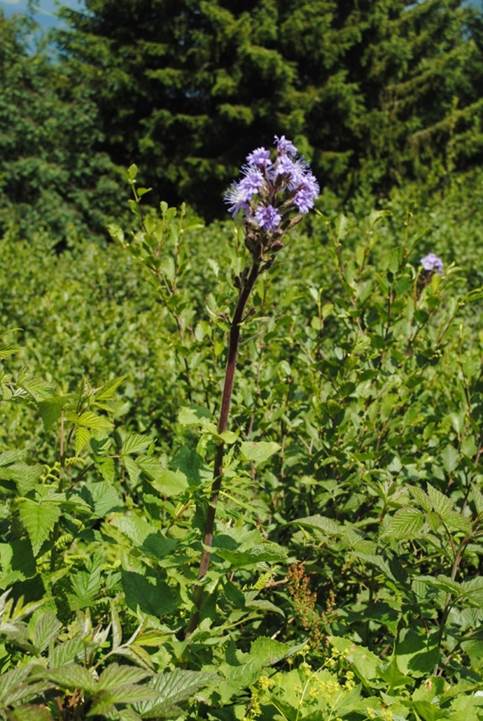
234 341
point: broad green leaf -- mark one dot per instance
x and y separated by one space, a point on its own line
266 552
166 482
258 452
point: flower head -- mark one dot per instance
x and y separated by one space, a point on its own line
275 190
285 146
432 263
259 158
239 194
267 217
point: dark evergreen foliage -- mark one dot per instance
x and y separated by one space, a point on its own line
367 89
54 174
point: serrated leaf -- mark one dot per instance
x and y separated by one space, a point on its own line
441 504
105 700
320 523
405 524
82 439
11 680
92 421
72 676
134 443
66 652
38 520
45 630
116 676
258 452
175 687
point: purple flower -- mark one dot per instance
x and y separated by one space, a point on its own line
284 146
307 193
239 194
268 217
260 157
432 263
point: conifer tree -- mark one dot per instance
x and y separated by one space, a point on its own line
185 87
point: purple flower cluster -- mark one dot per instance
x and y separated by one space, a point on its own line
432 263
273 185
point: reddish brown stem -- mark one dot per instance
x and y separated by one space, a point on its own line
247 285
224 414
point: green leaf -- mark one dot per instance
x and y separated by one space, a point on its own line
66 653
115 676
266 552
39 520
72 676
93 421
102 497
405 524
173 688
45 630
450 458
416 654
82 439
134 443
320 523
30 713
258 452
166 482
365 663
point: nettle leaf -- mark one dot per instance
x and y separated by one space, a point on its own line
86 586
92 421
24 476
106 700
38 520
12 680
258 452
404 525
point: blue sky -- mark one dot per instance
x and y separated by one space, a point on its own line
44 9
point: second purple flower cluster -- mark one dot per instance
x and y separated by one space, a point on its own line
273 186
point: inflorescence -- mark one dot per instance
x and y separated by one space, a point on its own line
432 263
276 189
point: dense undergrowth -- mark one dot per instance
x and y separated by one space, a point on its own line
344 579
